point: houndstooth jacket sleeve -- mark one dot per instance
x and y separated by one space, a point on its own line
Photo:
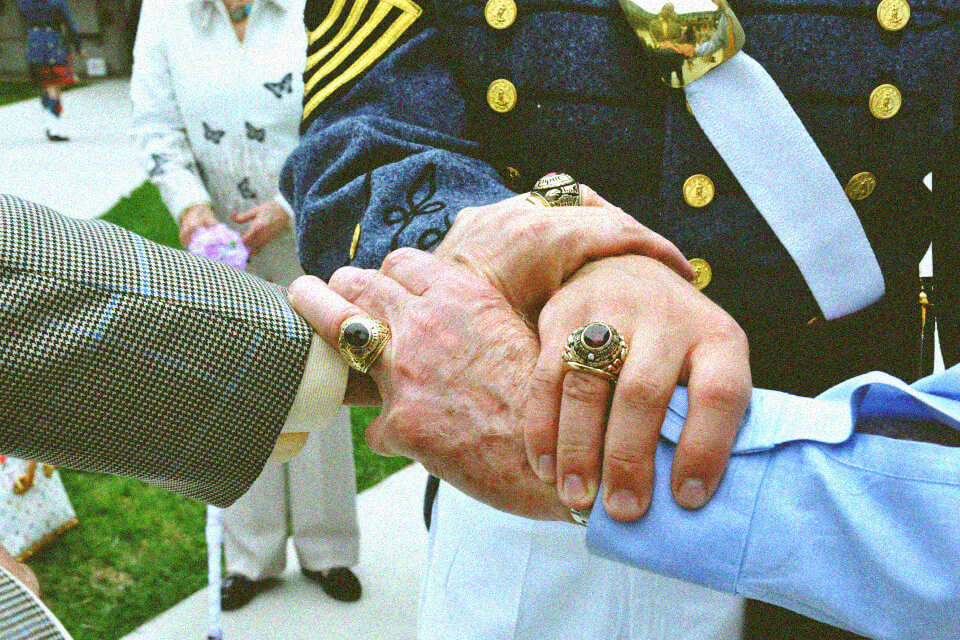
121 356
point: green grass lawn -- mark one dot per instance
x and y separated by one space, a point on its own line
17 90
139 550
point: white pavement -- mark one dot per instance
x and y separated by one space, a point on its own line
393 545
85 177
81 178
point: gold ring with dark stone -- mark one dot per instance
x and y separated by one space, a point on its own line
555 190
361 340
596 348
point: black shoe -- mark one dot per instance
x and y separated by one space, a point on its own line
56 137
339 583
237 590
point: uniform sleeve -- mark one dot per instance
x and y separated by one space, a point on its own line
852 529
125 357
383 161
158 131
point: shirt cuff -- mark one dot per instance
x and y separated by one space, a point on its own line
179 190
706 546
320 395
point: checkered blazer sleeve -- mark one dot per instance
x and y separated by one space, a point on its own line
122 356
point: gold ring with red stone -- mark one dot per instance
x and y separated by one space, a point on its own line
596 348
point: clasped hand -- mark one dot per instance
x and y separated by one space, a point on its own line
472 383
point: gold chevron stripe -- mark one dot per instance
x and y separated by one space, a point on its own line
352 19
350 46
322 28
391 35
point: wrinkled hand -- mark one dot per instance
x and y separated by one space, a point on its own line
193 218
527 251
267 221
454 377
674 333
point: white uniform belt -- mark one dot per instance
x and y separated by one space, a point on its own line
766 147
780 167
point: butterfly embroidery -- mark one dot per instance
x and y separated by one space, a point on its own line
244 188
211 134
158 161
254 133
426 184
279 88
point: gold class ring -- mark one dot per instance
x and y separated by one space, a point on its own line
596 348
361 340
555 190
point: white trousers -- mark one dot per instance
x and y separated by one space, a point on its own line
493 576
315 492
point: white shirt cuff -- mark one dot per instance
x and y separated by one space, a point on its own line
320 395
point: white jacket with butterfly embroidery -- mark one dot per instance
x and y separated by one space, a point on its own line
215 118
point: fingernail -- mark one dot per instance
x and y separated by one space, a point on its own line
692 494
573 488
548 468
623 503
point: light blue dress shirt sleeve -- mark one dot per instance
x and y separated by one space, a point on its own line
859 531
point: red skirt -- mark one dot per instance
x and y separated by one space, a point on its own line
53 74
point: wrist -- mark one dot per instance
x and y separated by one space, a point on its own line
189 209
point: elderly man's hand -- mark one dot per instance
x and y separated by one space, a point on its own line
527 251
454 377
674 333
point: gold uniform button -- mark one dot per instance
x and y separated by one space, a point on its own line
860 186
500 14
893 15
885 101
355 243
698 190
703 274
501 95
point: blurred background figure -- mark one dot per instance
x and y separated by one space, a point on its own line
50 29
217 94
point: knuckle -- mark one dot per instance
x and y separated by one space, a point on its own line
642 393
631 463
544 382
394 259
725 330
625 458
350 283
584 388
724 396
577 456
697 456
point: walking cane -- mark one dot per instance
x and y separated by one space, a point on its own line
214 541
224 245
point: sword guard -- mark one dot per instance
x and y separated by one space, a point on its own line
686 38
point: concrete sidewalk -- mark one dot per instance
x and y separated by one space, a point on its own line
393 545
81 178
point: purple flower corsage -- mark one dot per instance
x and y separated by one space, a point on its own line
220 243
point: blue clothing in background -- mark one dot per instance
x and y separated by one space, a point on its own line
44 20
860 531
